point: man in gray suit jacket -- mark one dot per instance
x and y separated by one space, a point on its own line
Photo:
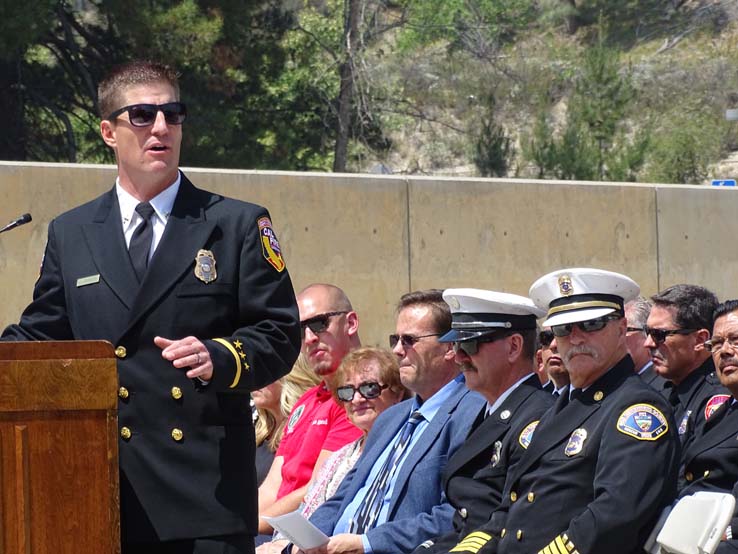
365 516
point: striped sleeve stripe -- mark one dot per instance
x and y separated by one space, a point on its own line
232 350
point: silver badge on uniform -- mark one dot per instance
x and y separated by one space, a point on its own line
576 442
496 452
205 266
684 422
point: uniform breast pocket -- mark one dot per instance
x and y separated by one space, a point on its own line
212 308
196 290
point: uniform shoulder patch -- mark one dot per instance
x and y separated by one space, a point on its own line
269 244
714 403
643 422
526 435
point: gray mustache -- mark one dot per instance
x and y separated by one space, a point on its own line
574 350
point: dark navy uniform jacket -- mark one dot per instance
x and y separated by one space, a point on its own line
596 476
711 458
186 450
691 397
475 475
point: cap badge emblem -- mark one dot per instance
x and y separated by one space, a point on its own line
566 288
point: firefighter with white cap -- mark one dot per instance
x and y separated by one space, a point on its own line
602 463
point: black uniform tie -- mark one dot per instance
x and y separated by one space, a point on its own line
140 245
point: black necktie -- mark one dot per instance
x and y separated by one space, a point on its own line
140 245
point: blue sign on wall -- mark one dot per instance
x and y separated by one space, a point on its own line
723 182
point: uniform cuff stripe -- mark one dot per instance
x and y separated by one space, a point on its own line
232 350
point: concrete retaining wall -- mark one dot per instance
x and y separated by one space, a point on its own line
381 236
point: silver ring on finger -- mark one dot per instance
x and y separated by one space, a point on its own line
198 357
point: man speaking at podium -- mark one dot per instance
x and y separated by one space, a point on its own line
191 289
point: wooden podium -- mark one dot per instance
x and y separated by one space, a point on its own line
58 448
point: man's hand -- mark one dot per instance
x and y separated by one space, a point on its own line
187 352
345 543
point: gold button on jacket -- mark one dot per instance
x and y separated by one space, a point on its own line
176 393
177 434
513 496
125 433
121 352
123 393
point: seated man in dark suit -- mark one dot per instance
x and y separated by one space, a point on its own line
711 456
576 487
494 336
677 327
392 499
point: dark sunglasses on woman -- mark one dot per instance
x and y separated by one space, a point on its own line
368 390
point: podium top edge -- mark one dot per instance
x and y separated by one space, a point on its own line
52 350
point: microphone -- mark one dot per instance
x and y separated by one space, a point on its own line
22 220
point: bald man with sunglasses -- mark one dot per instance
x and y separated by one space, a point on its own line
603 460
192 290
317 425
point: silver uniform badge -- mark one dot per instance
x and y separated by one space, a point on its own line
497 450
576 442
205 266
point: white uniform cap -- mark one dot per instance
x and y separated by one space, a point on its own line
476 312
582 293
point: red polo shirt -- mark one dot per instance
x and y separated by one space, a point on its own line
317 422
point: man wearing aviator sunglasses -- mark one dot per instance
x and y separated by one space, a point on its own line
192 290
602 463
676 331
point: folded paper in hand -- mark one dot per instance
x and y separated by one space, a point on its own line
298 529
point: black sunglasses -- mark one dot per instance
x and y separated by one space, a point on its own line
471 346
317 324
408 340
369 390
545 338
143 115
659 335
589 326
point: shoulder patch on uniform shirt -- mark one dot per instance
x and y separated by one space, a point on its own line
269 244
526 435
643 422
714 403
